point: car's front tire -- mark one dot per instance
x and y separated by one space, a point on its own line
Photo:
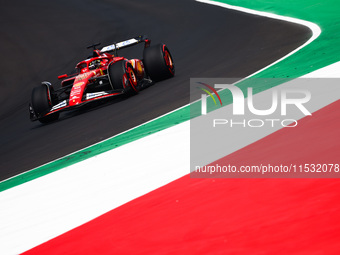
41 104
123 77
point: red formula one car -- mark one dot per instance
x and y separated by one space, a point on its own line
102 75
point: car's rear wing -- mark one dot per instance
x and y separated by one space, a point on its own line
127 43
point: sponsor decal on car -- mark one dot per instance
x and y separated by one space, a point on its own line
85 76
119 45
97 94
60 105
78 84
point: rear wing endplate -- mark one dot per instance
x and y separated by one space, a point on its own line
127 43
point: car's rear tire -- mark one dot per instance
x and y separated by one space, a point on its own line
158 62
123 77
41 104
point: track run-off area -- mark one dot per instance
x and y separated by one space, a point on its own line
161 214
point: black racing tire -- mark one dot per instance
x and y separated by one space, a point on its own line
158 62
41 104
117 71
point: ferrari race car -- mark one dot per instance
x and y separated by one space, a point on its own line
102 75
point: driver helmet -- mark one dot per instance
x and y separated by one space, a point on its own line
94 64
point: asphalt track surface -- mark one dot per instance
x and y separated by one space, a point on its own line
41 40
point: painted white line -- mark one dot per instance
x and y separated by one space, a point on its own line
331 71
